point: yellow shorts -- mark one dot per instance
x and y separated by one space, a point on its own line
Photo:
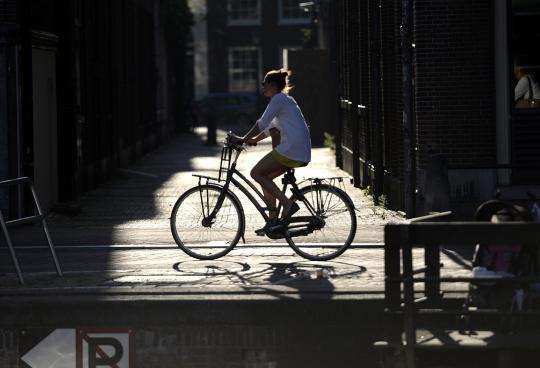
287 162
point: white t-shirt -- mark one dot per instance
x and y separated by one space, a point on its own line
523 91
283 113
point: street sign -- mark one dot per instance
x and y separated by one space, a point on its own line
79 348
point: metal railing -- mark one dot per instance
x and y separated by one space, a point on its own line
40 217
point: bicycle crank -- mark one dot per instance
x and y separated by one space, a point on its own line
296 226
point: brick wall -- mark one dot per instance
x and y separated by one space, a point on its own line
236 333
454 84
454 80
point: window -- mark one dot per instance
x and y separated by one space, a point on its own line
291 13
244 12
244 69
524 41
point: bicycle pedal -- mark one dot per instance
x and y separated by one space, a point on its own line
275 236
275 232
268 227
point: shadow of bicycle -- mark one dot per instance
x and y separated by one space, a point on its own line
283 280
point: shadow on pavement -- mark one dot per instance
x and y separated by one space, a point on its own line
283 280
135 203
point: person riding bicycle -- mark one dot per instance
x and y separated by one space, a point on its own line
293 150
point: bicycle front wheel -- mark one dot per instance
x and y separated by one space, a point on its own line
335 207
199 235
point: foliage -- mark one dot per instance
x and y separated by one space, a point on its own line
329 141
381 201
307 38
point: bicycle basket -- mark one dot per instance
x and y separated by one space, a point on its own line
225 164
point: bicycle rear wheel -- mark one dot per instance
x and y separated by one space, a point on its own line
199 236
335 207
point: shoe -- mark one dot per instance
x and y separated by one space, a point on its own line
294 208
263 230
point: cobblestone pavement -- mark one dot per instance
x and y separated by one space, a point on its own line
134 207
253 270
125 246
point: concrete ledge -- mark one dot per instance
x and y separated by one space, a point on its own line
51 312
209 333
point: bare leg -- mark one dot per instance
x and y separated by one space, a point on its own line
263 173
269 198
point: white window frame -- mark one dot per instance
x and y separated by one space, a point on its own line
292 21
284 63
244 22
255 83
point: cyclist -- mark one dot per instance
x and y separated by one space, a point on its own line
293 150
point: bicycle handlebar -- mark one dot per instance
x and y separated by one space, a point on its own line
236 146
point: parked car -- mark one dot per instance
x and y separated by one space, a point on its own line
230 107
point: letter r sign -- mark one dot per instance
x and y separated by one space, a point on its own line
98 348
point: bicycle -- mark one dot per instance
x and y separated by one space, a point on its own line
208 220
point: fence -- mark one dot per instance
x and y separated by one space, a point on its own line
369 141
405 302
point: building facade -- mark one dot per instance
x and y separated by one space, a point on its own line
87 86
247 38
467 135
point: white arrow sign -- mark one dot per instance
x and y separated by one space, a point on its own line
57 350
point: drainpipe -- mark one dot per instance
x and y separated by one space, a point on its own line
502 88
336 61
409 145
376 116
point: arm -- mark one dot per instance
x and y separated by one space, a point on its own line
252 133
521 89
255 133
251 137
271 112
276 137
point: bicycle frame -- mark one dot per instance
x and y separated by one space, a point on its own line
288 179
323 205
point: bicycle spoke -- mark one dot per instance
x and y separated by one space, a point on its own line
196 233
335 208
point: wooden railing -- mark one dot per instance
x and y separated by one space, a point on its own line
407 304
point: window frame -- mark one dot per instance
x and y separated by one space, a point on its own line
282 49
231 70
291 21
244 22
510 21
